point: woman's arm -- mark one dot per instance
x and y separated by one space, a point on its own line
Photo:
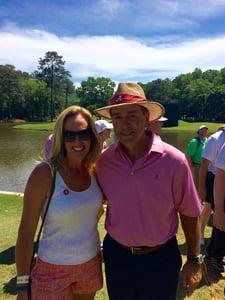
36 192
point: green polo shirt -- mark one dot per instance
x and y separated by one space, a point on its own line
195 148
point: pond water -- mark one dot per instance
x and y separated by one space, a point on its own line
21 149
19 152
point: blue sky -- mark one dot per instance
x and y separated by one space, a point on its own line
138 41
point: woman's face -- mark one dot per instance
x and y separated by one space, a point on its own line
77 137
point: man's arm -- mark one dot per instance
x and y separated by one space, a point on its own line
219 199
190 151
191 272
202 178
189 159
191 227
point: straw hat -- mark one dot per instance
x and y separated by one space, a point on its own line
129 93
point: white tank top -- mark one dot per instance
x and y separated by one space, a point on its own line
70 234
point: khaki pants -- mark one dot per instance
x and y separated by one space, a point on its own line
195 173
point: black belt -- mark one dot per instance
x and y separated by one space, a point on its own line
143 250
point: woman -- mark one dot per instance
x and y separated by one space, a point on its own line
69 261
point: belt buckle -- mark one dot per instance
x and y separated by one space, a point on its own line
133 249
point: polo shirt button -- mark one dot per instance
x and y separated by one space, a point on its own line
132 173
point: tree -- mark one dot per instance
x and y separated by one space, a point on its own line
11 91
197 74
95 92
36 96
51 70
197 93
212 76
180 84
215 105
69 89
160 90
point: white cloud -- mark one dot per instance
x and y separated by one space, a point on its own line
115 57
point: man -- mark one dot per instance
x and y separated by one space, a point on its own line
194 151
207 173
146 182
219 194
219 198
157 125
104 129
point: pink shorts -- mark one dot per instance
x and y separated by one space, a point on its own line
58 282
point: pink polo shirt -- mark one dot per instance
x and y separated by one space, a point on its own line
144 197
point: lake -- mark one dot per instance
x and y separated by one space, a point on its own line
19 152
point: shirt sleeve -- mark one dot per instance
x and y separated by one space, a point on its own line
185 194
220 160
209 151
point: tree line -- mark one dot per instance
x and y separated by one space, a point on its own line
44 93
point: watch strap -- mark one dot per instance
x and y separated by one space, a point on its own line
196 259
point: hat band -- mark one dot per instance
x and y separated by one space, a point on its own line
126 98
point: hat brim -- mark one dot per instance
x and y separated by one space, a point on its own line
162 119
156 110
109 126
202 127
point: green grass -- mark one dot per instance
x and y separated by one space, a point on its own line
182 126
10 212
48 126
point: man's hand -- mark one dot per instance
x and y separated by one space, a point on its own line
191 275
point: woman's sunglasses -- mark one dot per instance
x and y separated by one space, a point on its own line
83 135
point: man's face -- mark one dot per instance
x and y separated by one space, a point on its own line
105 135
156 126
203 132
129 123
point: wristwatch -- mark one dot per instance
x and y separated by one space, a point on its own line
196 259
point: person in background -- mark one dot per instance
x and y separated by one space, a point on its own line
219 196
148 185
206 181
219 203
48 144
104 129
157 125
207 204
69 259
194 151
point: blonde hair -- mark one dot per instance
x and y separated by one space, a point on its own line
58 151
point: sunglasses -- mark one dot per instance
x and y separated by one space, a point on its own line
83 135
